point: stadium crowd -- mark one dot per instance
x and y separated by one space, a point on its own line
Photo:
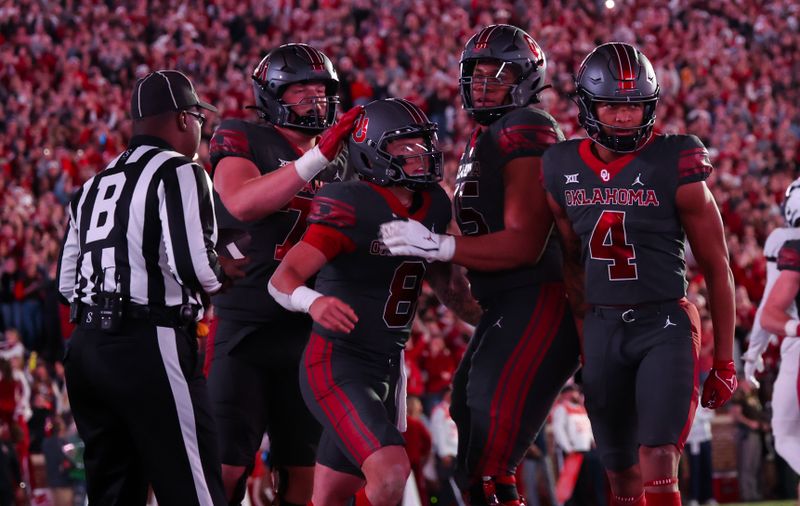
729 74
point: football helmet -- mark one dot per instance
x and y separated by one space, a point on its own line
289 64
616 72
791 204
382 122
511 47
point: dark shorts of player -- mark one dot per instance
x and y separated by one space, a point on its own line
524 349
640 377
352 394
141 407
252 383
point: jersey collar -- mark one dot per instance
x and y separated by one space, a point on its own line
399 209
149 140
613 168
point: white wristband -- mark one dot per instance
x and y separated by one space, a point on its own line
447 248
790 328
303 297
310 164
299 301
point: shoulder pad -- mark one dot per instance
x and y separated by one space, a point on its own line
335 205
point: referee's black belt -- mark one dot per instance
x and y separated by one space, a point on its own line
88 317
631 313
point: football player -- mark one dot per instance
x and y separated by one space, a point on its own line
777 315
265 174
525 346
625 200
363 302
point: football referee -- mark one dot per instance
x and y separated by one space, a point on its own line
137 256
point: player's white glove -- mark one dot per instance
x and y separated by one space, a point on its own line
412 238
752 363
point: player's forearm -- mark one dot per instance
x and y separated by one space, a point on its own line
774 319
719 281
453 291
497 251
264 195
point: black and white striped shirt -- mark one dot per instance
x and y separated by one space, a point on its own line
145 227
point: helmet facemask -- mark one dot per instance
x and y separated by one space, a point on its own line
474 87
422 154
606 135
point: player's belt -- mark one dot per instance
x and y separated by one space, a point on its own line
633 312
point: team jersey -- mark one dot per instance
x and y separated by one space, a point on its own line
382 289
759 336
625 214
480 192
789 259
270 237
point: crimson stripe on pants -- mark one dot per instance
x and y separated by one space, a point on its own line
504 390
354 433
550 326
694 320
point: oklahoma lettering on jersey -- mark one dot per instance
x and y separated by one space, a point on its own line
625 214
611 196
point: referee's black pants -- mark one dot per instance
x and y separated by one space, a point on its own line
141 407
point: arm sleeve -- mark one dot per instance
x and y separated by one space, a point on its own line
789 256
70 251
694 163
230 139
190 227
524 133
328 240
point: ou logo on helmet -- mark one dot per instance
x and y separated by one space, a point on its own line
360 129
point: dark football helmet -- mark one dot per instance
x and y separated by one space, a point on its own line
510 46
382 122
289 64
616 72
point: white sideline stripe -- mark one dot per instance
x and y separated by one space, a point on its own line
183 404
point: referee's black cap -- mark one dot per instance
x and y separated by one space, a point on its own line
162 91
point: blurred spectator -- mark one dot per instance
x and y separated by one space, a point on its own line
537 473
748 413
572 431
444 435
698 451
418 444
58 465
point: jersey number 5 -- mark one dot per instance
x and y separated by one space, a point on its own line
609 242
403 294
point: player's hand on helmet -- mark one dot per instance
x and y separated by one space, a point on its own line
331 140
333 314
752 363
317 158
412 238
720 384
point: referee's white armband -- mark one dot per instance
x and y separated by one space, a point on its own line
790 328
299 301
